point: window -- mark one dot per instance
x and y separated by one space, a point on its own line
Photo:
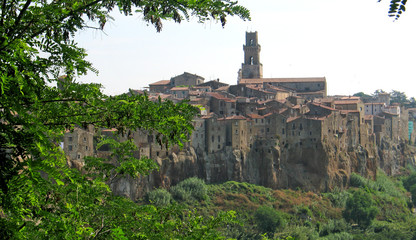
70 148
251 42
212 138
69 139
251 61
293 126
85 139
196 135
78 156
219 146
283 131
86 147
219 138
300 126
268 130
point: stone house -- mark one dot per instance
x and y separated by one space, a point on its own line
213 84
198 135
310 87
186 79
79 143
180 92
222 105
161 86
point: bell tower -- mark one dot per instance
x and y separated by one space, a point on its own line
251 68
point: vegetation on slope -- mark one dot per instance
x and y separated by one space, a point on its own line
379 209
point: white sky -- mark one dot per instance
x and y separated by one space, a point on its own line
353 43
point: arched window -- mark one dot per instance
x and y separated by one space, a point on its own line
251 42
251 60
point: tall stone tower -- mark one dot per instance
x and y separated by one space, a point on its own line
251 68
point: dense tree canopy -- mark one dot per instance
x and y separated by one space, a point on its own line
39 194
360 208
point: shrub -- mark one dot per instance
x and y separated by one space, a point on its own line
338 236
360 209
338 198
191 187
332 227
357 180
159 197
268 219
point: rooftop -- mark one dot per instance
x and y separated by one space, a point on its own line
161 82
282 80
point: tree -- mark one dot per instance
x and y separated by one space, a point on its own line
39 194
360 209
398 97
268 220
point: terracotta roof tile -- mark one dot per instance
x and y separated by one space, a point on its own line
161 82
253 115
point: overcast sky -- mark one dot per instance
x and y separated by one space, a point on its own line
354 44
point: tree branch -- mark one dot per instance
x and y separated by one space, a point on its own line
65 16
22 12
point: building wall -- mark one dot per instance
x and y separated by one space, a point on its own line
303 86
215 132
79 143
198 135
186 79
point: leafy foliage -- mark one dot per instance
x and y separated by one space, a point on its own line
159 197
360 209
40 197
268 219
397 7
191 188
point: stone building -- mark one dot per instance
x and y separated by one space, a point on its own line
251 68
78 143
161 86
186 79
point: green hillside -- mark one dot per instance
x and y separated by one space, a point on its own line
379 209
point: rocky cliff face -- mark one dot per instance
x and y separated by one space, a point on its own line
322 167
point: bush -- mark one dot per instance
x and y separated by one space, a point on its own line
159 197
358 180
268 219
332 227
191 187
360 209
338 236
299 233
338 198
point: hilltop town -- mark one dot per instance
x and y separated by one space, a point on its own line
275 132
